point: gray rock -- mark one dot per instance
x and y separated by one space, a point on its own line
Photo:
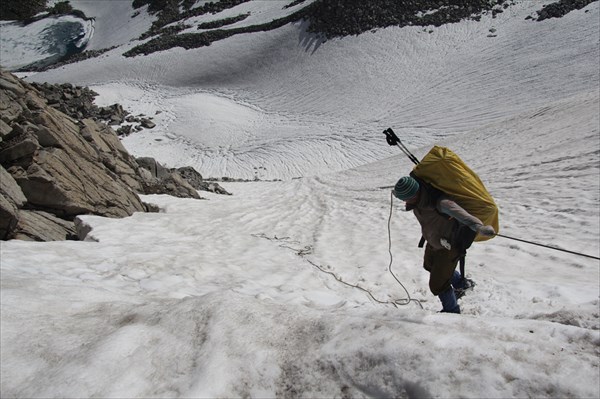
25 148
5 129
42 226
83 230
45 138
11 199
59 167
9 108
196 180
156 169
71 186
124 130
173 184
147 123
10 189
153 208
191 175
10 83
9 217
214 188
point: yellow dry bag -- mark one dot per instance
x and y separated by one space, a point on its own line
444 170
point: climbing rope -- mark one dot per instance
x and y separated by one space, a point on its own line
408 299
526 241
308 249
547 246
352 285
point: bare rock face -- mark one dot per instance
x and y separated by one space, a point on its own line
42 226
78 103
194 177
162 180
179 182
11 199
54 168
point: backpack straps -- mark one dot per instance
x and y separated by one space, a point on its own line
466 239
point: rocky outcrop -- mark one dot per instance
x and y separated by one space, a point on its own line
78 103
161 180
327 18
561 8
61 166
20 10
42 226
11 200
188 179
55 167
194 178
353 17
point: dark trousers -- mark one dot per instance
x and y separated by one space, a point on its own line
440 263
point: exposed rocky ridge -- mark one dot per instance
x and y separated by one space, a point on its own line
61 166
54 167
561 8
170 11
196 180
11 10
34 10
330 18
206 38
78 103
336 18
169 180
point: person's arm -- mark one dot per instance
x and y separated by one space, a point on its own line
452 209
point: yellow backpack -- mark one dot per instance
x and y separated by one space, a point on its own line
444 170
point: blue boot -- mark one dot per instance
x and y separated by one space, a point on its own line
460 284
448 300
456 280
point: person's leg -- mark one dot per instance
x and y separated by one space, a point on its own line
457 279
441 265
460 283
448 299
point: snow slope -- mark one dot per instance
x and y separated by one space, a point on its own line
46 40
423 84
241 295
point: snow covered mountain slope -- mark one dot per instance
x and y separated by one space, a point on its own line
329 101
234 296
284 288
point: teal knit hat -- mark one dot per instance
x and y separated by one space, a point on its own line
406 188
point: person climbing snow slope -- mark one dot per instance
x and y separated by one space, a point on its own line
443 224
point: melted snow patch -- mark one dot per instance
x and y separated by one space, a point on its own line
43 40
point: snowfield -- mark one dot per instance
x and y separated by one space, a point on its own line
284 288
46 39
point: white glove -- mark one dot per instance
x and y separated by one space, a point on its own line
486 231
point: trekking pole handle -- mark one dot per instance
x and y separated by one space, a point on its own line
392 140
391 137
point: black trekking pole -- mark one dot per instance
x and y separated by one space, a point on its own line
392 139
